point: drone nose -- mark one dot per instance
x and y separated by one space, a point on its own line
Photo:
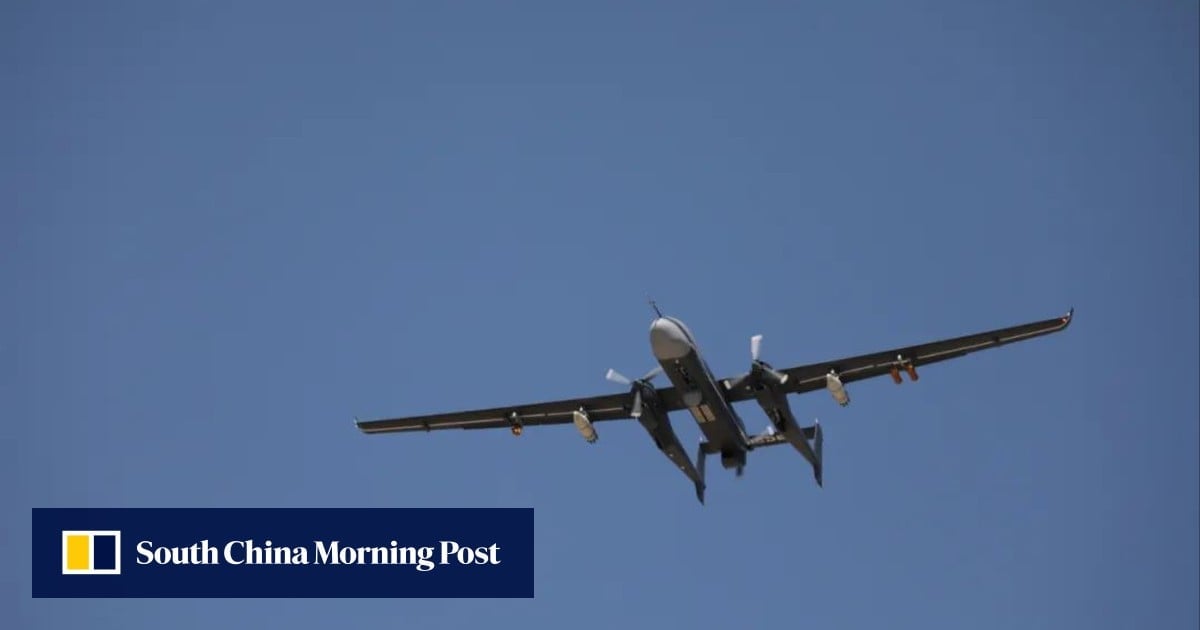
668 341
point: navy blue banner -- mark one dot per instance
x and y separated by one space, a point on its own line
283 552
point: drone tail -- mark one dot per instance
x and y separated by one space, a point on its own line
818 443
808 441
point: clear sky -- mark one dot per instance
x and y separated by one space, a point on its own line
229 228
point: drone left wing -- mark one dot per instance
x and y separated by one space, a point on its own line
516 417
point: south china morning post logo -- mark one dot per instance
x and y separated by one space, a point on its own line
98 553
283 552
250 552
91 552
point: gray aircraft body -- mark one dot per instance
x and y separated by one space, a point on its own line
710 400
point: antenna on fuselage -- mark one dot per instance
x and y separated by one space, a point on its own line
655 307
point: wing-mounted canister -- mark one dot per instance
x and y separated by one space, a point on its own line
515 425
833 383
906 364
584 425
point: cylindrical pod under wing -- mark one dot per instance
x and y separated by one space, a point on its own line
835 387
585 426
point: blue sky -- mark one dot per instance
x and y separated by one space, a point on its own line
229 229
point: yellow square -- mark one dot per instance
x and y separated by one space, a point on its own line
78 550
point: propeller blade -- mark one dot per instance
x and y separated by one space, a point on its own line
778 376
755 346
653 373
636 412
617 377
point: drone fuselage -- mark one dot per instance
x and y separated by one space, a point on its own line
677 352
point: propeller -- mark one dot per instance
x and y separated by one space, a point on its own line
759 369
637 385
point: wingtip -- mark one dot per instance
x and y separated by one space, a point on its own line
1066 319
